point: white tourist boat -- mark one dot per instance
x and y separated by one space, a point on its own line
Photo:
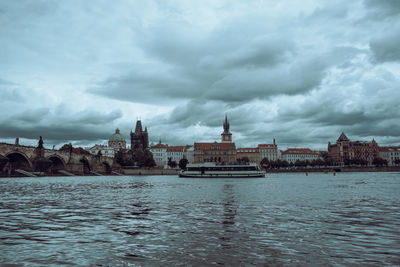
212 170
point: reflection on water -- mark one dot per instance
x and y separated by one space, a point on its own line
285 219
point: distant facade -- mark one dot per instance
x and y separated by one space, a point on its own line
344 149
390 153
159 152
139 138
117 141
291 155
176 153
269 151
162 152
104 150
190 154
214 152
253 154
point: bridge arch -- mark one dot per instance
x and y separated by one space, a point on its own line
3 161
107 167
58 163
86 165
19 160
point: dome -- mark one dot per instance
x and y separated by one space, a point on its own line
116 137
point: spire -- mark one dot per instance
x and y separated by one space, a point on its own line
226 136
226 124
117 131
160 141
145 129
138 128
343 137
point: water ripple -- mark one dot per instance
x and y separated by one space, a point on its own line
349 219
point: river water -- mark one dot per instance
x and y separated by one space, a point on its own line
284 219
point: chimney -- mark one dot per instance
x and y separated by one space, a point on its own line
17 141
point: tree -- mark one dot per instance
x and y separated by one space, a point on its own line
70 149
285 164
319 162
379 162
148 159
327 158
182 163
124 158
139 157
264 163
172 163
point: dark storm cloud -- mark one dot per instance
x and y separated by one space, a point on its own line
55 132
60 125
224 69
377 129
382 8
146 86
95 117
386 47
189 65
30 116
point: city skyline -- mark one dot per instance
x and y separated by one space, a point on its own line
75 71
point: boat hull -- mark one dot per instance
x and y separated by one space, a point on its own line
252 175
212 170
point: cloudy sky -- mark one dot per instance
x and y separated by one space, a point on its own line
298 71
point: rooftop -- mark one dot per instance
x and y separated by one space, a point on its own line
209 146
299 151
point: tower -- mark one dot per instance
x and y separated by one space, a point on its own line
139 138
226 136
343 144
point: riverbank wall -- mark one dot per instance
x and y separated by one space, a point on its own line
138 172
338 169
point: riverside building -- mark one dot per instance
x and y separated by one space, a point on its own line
104 150
292 155
162 152
344 149
224 152
253 154
269 151
390 153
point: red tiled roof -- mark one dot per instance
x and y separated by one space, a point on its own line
299 151
207 146
266 145
389 148
176 148
247 150
160 146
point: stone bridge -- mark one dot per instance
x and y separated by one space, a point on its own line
22 157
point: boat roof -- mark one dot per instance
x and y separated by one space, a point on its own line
213 164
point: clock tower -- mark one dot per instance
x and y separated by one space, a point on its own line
226 136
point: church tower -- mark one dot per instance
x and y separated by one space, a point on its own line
139 138
226 136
